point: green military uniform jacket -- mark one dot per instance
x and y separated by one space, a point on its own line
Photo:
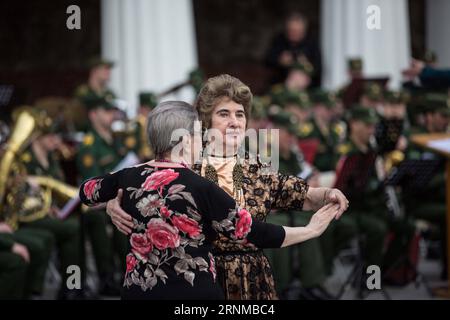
326 156
34 167
6 242
97 157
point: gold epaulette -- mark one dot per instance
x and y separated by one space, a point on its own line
343 148
130 142
88 139
340 129
88 160
304 129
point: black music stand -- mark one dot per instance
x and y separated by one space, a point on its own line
412 176
352 177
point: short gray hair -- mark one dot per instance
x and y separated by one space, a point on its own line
164 119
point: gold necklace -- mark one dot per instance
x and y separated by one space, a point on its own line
237 174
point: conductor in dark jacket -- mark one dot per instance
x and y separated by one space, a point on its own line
290 46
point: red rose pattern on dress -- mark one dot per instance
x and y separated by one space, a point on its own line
168 232
159 179
243 224
91 189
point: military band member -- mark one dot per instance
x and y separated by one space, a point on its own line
298 79
41 159
14 260
100 152
367 212
429 204
24 258
305 261
96 85
372 96
298 104
393 128
328 133
24 253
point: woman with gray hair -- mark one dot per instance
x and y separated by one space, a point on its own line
178 214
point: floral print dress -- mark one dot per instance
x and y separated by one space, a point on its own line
177 216
244 271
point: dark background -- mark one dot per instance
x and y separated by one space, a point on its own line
41 57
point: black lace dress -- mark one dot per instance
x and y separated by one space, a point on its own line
244 271
177 216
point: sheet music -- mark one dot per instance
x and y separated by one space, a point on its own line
68 207
130 160
441 144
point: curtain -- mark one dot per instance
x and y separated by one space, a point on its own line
345 34
153 45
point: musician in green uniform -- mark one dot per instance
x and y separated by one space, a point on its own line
323 129
430 203
25 253
24 258
367 215
95 87
100 153
303 262
372 96
41 159
298 103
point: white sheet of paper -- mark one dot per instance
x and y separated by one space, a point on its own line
441 144
130 160
68 207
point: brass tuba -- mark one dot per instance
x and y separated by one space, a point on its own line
12 175
20 200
